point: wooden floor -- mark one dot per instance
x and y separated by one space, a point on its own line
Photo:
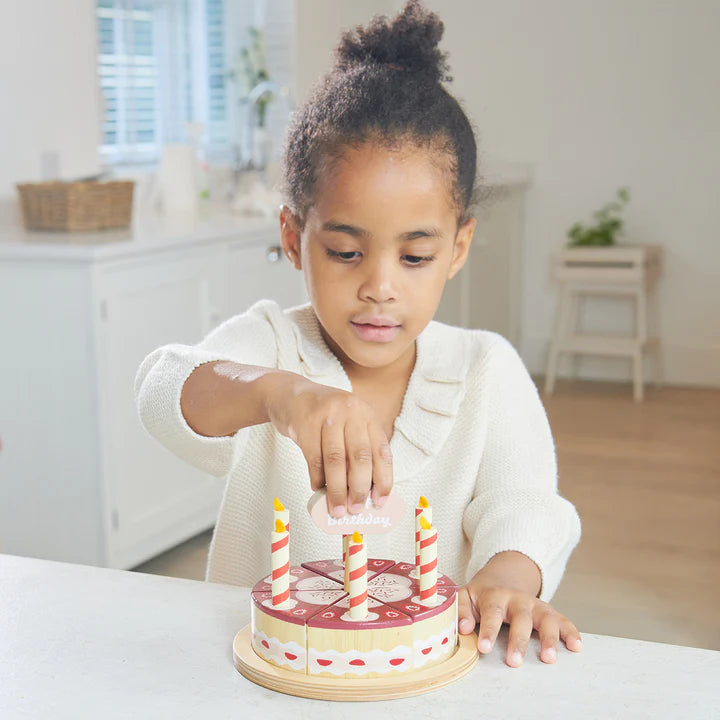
645 479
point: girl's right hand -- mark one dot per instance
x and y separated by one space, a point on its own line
341 438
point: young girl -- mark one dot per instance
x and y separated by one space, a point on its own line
359 391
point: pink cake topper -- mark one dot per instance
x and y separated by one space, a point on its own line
371 521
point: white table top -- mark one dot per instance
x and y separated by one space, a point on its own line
80 642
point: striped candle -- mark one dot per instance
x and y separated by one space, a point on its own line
280 513
346 542
280 561
357 562
423 509
428 563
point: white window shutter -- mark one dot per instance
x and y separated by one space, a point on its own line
279 21
163 63
128 79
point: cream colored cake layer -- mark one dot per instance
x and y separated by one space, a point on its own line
366 653
435 639
279 642
363 653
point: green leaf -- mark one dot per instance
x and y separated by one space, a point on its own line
608 224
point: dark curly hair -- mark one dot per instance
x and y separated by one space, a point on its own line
386 87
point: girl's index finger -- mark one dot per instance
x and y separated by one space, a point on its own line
492 615
360 462
382 470
334 467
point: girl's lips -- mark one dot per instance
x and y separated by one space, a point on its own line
376 333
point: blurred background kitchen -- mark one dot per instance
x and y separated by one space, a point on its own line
598 116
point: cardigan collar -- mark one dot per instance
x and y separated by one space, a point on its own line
434 393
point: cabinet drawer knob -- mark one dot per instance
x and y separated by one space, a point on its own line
273 254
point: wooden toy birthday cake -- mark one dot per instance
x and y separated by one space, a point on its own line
354 618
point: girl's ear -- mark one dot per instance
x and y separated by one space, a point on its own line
462 246
290 236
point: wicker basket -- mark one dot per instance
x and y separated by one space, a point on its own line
71 206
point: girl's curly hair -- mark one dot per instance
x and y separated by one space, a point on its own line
386 87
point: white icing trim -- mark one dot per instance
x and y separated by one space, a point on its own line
376 661
276 652
438 650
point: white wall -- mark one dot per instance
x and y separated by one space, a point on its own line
49 90
317 30
595 95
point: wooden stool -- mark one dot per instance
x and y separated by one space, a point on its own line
629 271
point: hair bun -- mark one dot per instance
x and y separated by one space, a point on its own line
408 42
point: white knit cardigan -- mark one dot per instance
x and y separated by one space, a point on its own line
472 436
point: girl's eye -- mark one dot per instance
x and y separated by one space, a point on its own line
343 256
415 260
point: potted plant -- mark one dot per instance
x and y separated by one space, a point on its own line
608 225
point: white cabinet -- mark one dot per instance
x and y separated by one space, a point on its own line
141 307
249 268
80 480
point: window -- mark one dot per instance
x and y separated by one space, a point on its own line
164 63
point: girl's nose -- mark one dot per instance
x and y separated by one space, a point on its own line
379 284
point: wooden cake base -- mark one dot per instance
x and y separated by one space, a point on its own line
254 668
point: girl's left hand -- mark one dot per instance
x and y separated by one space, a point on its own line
486 601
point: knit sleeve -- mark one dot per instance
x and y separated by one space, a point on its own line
247 339
515 504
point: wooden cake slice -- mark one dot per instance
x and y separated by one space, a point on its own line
434 627
378 646
278 632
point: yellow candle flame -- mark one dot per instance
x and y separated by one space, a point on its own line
280 526
278 505
422 502
424 524
357 537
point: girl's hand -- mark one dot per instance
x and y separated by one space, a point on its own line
498 594
342 440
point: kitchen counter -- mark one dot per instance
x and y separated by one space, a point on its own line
78 641
150 232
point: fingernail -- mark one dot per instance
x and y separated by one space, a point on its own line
485 645
356 508
578 644
465 626
338 511
381 501
551 654
516 659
